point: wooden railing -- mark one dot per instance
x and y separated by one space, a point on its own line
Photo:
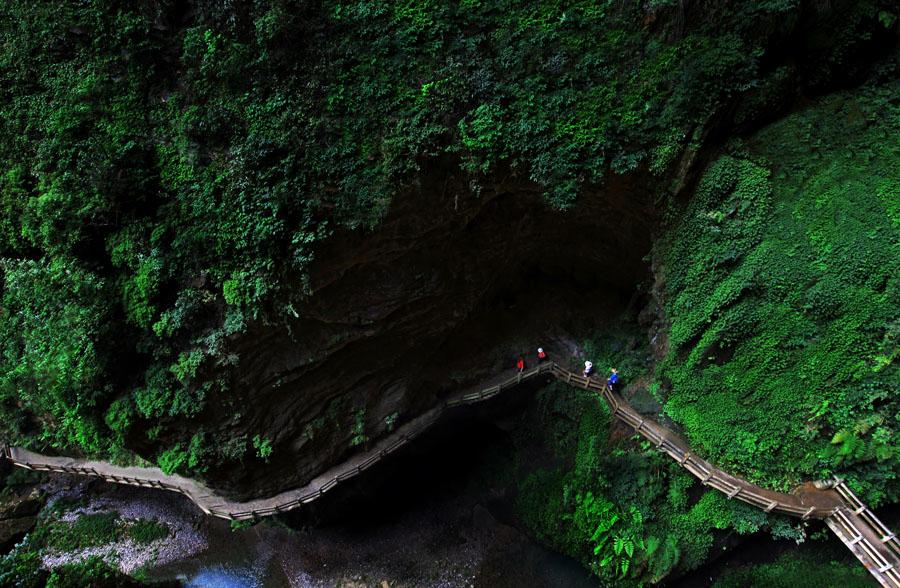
870 540
873 543
663 439
676 448
211 504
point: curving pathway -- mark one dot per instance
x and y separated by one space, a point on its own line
867 537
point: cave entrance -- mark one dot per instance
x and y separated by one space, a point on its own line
563 280
536 305
555 280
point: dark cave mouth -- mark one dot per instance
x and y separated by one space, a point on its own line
454 458
559 276
556 302
537 305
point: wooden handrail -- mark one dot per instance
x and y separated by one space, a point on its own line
656 434
832 505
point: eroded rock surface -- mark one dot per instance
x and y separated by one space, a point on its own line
450 287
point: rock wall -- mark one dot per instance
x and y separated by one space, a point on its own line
393 311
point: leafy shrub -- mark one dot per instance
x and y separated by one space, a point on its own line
92 571
359 428
88 530
143 531
790 571
21 567
263 447
782 291
53 323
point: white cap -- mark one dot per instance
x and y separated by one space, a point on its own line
540 349
588 365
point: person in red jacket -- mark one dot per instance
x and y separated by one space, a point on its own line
520 364
541 355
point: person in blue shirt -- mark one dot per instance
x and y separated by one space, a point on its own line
613 379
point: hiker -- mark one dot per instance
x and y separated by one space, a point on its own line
613 379
542 357
588 369
520 364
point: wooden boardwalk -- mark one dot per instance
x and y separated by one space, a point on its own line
870 540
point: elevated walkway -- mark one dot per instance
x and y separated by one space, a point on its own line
869 539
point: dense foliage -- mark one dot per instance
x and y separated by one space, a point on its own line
166 168
21 568
795 572
629 513
783 291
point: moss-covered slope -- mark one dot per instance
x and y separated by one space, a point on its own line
782 284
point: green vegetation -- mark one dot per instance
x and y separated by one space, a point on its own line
167 168
20 477
359 428
240 525
783 291
263 447
54 321
88 530
390 421
627 512
143 531
796 572
20 569
93 572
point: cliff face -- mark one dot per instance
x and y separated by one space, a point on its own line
437 297
159 208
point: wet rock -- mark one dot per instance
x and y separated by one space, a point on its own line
14 530
21 506
18 514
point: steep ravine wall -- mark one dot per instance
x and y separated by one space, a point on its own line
392 310
402 314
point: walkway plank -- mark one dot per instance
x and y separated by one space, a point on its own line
866 536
